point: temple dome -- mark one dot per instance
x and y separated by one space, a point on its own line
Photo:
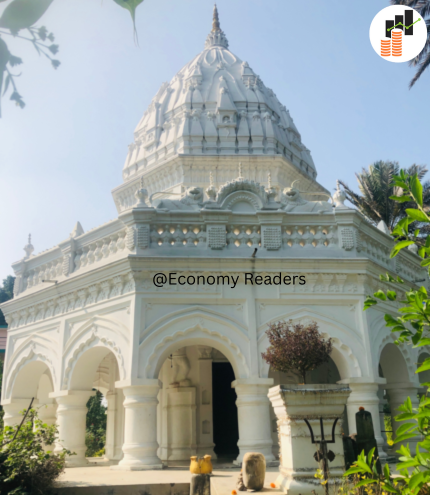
215 105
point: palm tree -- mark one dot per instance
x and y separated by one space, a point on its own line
422 61
376 188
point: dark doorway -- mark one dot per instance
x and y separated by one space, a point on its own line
226 431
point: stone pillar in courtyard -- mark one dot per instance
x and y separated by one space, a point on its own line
364 393
253 414
205 444
293 404
397 394
114 425
140 435
71 421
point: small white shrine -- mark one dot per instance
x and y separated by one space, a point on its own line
222 228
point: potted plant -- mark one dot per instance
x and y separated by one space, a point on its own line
304 409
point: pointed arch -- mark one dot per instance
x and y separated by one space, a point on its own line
197 327
343 340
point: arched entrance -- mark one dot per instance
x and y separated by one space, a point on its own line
32 380
95 369
197 413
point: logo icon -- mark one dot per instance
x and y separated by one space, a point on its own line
398 33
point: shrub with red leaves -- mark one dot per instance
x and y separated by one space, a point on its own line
296 347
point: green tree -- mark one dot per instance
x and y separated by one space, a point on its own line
6 293
1 409
21 16
377 191
421 61
413 327
95 438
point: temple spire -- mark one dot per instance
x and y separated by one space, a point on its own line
215 21
216 37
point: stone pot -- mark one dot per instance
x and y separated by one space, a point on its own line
292 405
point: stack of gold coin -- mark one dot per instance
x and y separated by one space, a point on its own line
396 44
385 48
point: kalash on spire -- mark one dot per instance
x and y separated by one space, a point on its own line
216 37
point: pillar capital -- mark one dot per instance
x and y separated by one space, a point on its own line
12 410
252 385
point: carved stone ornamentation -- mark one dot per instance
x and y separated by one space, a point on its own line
216 236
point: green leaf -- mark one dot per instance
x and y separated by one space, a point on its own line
391 295
417 215
365 482
416 480
353 470
416 189
22 14
363 466
369 302
404 437
423 342
400 245
404 428
380 295
407 464
389 488
401 199
131 6
424 367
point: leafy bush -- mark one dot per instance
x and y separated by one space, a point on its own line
25 467
95 441
413 325
295 347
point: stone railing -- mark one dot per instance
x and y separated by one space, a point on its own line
149 232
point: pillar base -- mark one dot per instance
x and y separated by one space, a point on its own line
274 463
72 463
137 467
298 487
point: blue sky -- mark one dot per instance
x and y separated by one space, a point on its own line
61 156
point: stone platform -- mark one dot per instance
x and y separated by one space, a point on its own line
101 480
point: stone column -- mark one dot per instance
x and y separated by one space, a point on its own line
140 436
205 444
397 394
113 450
12 410
364 393
48 413
253 411
71 421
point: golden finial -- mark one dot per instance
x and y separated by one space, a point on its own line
269 180
215 21
211 179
